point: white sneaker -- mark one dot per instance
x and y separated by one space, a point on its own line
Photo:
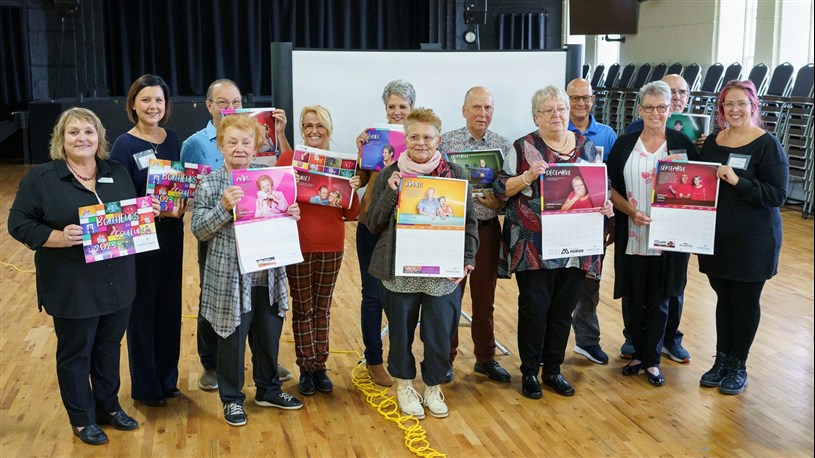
409 400
434 400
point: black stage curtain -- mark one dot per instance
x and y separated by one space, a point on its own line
521 31
190 43
15 70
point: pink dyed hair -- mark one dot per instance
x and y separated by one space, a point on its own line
750 89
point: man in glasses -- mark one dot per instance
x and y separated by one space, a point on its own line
584 318
199 148
672 344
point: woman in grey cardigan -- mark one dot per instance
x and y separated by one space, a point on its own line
406 300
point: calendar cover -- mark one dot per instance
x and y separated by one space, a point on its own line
481 166
323 177
267 155
116 229
267 192
683 208
571 197
386 143
265 235
692 125
171 181
430 220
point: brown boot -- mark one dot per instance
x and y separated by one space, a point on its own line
379 375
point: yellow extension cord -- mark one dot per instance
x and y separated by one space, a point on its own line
415 434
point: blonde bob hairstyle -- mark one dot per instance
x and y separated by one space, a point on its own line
240 122
323 116
422 115
57 151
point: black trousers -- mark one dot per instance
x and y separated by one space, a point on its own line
647 308
207 338
265 325
154 332
546 300
738 313
88 351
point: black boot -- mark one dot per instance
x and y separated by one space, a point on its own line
736 378
714 376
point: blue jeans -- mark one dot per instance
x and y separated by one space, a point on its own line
371 308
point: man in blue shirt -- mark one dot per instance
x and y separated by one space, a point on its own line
672 341
584 319
200 148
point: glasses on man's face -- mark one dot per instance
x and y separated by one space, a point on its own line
224 104
307 127
659 108
578 98
550 111
741 104
416 139
681 92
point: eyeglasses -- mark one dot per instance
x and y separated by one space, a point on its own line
578 98
551 111
742 104
681 92
426 139
313 126
224 104
659 108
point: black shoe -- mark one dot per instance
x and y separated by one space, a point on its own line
91 435
322 382
655 380
493 370
531 387
160 402
559 384
714 377
306 386
448 376
283 401
632 369
174 393
736 378
119 420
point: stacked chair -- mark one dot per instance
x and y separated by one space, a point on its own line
796 137
613 97
600 90
704 100
628 100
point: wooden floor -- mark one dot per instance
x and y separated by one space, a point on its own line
610 414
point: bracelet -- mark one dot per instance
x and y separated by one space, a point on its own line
523 177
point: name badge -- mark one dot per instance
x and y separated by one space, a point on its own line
738 161
142 158
105 180
682 154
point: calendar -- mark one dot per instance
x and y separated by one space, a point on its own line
683 209
120 228
170 181
571 197
430 221
324 177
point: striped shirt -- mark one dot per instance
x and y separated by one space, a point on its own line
640 174
226 294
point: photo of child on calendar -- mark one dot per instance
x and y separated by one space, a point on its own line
686 183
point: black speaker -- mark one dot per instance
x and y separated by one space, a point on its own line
475 12
67 8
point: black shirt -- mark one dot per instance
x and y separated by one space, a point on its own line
48 199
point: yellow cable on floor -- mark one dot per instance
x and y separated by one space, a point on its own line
415 435
18 269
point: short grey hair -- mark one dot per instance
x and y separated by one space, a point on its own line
401 88
547 93
656 88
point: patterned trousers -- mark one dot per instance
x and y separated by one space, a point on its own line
311 283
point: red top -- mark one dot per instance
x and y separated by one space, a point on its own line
321 228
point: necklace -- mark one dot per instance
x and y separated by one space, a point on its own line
565 141
83 178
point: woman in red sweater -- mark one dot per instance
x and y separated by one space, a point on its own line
322 241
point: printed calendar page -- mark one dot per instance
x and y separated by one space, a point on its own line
571 196
430 223
683 211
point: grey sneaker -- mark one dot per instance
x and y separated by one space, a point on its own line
677 353
283 373
208 380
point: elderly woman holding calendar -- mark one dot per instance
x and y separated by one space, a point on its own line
548 289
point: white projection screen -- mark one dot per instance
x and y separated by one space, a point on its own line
350 83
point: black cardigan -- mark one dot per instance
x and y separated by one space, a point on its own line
675 265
